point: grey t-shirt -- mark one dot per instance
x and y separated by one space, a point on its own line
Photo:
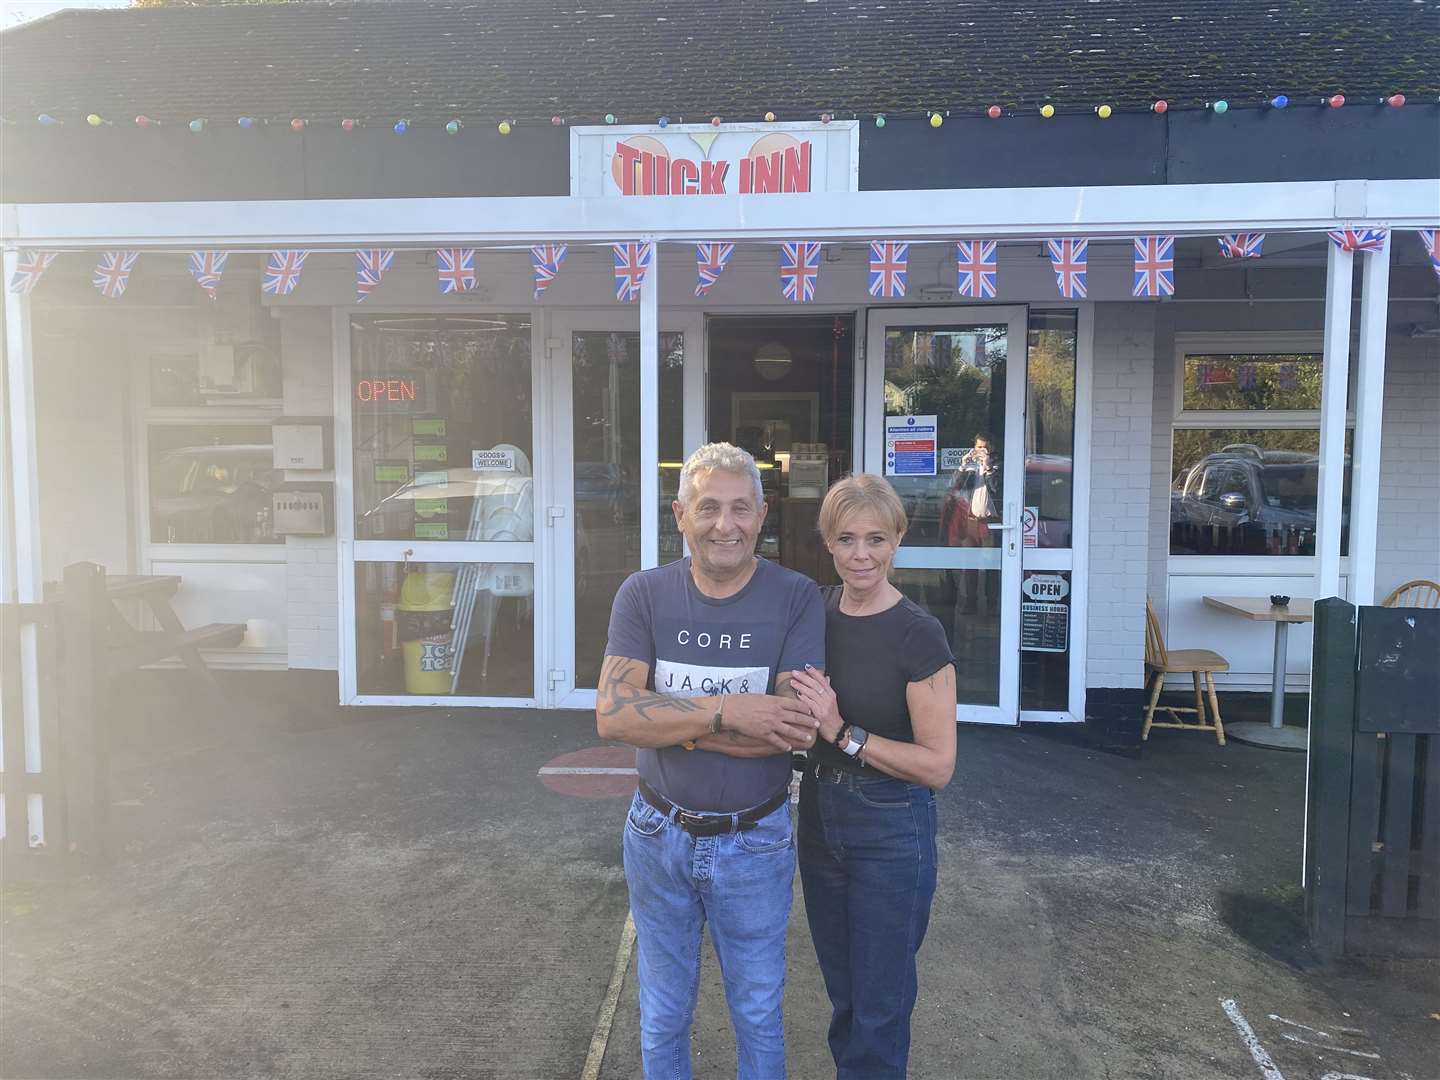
697 646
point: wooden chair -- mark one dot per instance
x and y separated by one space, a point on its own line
1418 593
1160 661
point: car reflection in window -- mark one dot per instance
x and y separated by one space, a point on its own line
213 495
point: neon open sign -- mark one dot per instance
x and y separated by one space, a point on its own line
384 390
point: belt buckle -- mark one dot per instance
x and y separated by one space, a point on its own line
688 820
829 774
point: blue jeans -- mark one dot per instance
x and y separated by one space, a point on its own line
741 884
867 866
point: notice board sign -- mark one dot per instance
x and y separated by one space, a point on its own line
910 445
1045 614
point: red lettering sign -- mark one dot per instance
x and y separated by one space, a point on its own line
775 163
382 390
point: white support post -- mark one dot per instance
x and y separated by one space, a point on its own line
1335 373
650 411
1369 406
27 586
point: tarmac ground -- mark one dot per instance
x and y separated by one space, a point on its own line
300 890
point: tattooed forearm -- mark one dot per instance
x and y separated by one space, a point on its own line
626 710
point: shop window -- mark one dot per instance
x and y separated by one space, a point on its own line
1241 382
245 372
1248 491
211 483
441 427
1050 424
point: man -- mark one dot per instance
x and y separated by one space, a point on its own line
696 677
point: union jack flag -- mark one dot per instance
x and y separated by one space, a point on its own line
282 272
1360 239
1427 237
1154 266
29 267
206 268
632 259
370 267
799 270
976 261
1068 257
546 259
112 272
1242 245
456 267
888 260
710 260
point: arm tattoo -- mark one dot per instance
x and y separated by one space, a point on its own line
616 694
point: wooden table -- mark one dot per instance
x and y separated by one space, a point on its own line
130 648
1260 609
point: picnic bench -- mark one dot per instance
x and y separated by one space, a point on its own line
126 647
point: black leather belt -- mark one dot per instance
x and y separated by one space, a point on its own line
713 824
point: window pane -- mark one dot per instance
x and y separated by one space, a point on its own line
1251 381
211 484
1045 630
1248 492
967 604
956 374
432 629
433 397
1050 423
672 440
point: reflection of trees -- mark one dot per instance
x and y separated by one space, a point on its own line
1050 404
1288 381
957 377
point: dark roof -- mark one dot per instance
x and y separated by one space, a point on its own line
430 60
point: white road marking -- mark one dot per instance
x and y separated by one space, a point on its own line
1302 1027
1331 1047
553 770
606 1020
1343 1076
1247 1036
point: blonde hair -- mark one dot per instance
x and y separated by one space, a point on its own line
859 494
725 457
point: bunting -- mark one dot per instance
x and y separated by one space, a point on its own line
112 272
977 264
30 266
632 260
546 260
1154 266
799 270
888 261
1427 237
1068 257
710 260
456 269
282 272
206 268
370 267
1360 239
1242 245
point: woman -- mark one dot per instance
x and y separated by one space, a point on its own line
867 803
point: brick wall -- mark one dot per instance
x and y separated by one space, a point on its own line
1409 530
312 591
1120 493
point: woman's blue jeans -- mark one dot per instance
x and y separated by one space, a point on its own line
741 883
867 866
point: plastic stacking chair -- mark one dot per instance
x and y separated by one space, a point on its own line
1160 661
1418 593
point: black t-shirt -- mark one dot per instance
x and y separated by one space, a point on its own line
871 659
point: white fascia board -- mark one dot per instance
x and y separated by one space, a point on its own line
1000 213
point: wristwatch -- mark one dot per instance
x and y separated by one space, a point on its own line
851 739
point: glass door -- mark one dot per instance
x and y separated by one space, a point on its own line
945 393
595 510
437 502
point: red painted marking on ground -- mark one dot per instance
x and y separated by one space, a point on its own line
592 786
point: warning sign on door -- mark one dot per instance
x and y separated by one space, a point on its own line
910 445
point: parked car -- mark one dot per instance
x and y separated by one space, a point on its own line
1243 500
213 495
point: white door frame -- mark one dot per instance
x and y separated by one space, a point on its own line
1013 464
559 567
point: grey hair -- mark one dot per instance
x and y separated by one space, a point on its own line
718 455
